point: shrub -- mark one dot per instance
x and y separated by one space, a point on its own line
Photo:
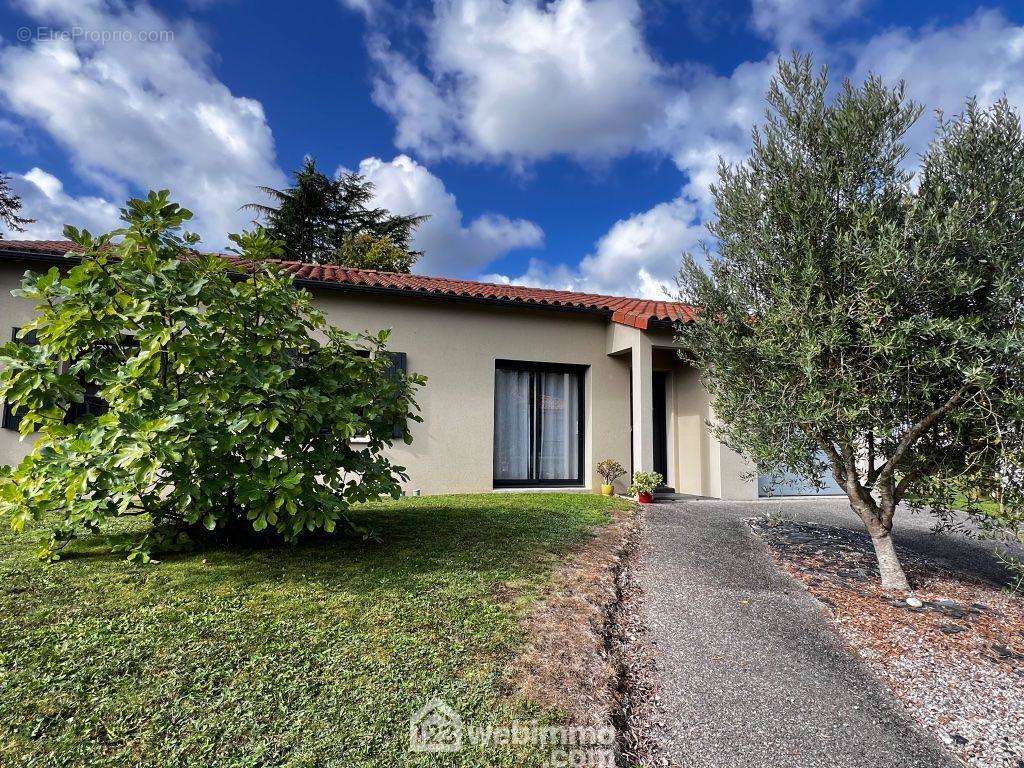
645 482
195 392
610 470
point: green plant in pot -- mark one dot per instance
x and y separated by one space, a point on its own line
643 486
610 470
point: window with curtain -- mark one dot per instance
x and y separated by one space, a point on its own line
538 424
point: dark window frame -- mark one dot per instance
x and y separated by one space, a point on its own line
398 368
11 420
534 367
398 365
92 405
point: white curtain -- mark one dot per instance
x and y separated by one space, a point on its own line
512 457
536 425
558 410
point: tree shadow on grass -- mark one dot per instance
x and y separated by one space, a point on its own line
412 540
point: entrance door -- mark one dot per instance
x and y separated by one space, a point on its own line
660 425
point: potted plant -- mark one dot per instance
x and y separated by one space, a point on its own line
643 486
610 470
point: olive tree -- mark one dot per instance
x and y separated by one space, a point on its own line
862 319
197 392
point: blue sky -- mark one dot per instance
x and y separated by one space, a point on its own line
567 144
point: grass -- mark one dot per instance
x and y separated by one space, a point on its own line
313 655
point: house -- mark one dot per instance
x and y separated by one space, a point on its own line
526 388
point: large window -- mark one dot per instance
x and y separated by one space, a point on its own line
538 424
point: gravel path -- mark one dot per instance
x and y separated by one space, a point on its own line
750 672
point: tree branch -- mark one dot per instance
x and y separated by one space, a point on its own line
903 484
838 462
844 457
912 434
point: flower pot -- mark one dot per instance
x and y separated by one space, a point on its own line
607 490
645 498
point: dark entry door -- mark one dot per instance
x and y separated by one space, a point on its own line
660 425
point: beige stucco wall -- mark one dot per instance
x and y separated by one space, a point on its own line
705 467
455 346
687 415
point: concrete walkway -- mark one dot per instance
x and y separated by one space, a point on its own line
751 674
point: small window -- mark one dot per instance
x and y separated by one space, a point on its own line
538 424
398 367
12 420
92 405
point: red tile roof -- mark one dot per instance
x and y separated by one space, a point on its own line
44 247
637 313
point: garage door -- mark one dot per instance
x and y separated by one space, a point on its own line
795 485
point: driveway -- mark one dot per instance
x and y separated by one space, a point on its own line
751 674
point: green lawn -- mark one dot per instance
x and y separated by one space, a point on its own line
312 655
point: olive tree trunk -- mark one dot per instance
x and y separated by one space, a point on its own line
879 525
889 566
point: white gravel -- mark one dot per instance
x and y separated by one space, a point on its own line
974 706
953 654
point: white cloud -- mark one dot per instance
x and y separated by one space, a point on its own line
140 114
365 7
797 23
423 119
713 116
511 80
43 198
644 250
638 256
450 247
712 119
983 56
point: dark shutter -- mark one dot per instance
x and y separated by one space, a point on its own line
397 369
11 419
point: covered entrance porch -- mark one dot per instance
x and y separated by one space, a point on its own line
669 417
